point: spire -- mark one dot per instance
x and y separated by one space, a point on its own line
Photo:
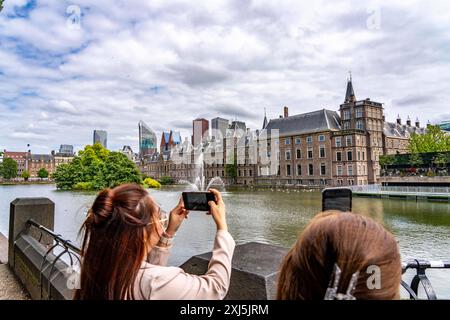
350 94
265 120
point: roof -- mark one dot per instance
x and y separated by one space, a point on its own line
166 136
41 157
350 93
311 122
14 154
392 129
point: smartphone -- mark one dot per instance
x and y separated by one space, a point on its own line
337 199
197 201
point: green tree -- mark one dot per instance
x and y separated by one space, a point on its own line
231 170
440 160
434 140
415 160
9 168
42 173
166 180
1 5
25 175
96 168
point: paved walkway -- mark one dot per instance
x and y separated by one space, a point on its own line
10 287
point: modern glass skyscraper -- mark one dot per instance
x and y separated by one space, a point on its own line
147 141
101 136
219 127
445 125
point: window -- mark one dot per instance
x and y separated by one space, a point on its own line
339 170
350 170
359 155
359 112
239 173
287 141
322 152
339 182
359 125
298 140
351 182
323 169
299 154
278 171
321 138
349 156
245 172
288 155
338 156
348 141
309 139
338 142
346 125
310 169
363 155
288 170
299 170
346 114
250 172
310 153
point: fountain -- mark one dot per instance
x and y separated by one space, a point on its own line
200 179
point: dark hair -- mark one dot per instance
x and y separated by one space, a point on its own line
114 242
353 242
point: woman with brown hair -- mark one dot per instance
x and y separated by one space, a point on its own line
126 247
342 256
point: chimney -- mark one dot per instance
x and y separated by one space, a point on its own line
286 112
417 123
399 120
408 122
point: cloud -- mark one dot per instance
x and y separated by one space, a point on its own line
168 62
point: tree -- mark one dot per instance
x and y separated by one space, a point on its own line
42 173
434 140
415 160
96 168
9 168
1 5
166 180
231 170
440 160
25 175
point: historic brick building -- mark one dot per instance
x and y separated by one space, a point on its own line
319 148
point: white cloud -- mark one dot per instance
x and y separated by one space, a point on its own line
167 62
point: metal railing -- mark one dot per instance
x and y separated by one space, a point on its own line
68 249
73 252
421 278
375 188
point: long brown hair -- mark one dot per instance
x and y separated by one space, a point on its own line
114 243
353 242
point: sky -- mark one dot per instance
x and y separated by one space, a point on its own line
69 67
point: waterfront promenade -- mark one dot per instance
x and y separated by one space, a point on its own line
10 287
440 194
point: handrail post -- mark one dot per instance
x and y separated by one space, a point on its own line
41 210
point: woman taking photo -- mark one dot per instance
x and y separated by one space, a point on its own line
126 247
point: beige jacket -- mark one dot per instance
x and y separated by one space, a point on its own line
155 281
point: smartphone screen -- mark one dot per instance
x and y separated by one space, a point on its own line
197 201
337 199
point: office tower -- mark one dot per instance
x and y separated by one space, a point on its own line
219 127
100 136
147 141
199 128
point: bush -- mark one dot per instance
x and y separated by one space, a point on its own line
83 186
166 180
151 183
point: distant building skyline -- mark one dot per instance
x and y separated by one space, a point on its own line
199 127
100 136
148 142
219 127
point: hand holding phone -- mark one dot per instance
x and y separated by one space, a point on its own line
198 201
337 199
